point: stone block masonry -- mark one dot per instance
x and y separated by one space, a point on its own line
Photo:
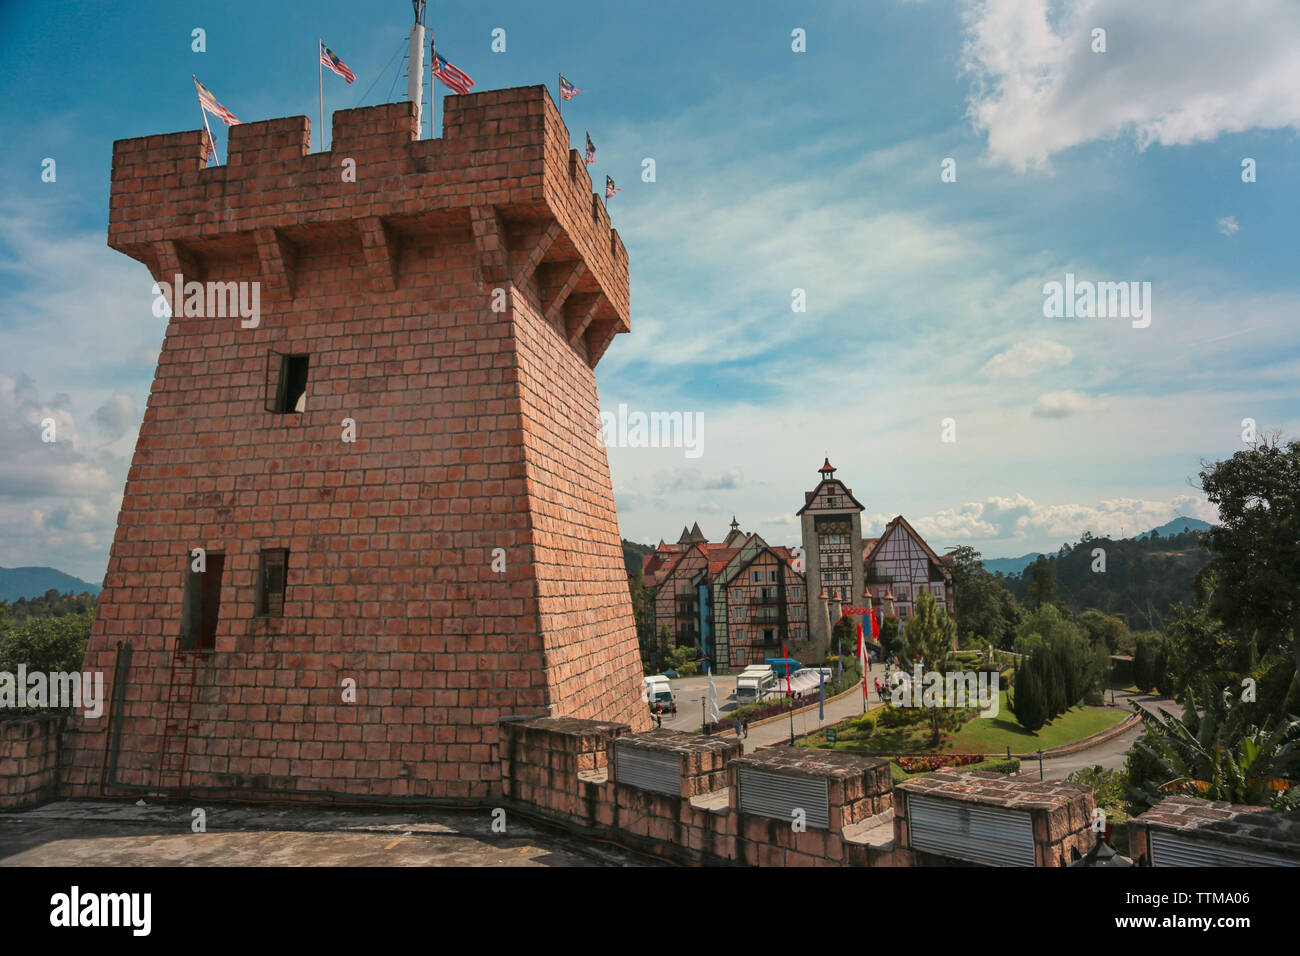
1059 817
29 756
452 297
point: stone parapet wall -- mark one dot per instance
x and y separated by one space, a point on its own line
29 760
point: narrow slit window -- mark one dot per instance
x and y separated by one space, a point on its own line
291 386
201 608
271 581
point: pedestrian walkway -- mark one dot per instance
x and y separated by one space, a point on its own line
806 722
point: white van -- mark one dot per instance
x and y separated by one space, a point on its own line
659 690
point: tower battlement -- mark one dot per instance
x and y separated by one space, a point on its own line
503 168
395 472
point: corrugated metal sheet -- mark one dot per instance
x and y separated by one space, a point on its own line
965 831
1175 849
647 770
780 794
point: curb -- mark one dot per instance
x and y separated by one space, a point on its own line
1087 742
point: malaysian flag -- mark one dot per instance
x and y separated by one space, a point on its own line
567 90
209 103
591 151
455 80
610 188
330 59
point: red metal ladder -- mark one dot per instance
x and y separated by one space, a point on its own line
177 725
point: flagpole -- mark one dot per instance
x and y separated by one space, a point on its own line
320 88
211 138
559 90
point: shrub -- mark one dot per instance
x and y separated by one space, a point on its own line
1107 785
1002 765
892 717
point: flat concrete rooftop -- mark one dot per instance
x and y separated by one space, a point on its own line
87 833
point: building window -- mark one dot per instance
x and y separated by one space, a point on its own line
291 385
271 582
771 576
755 576
833 501
202 603
769 635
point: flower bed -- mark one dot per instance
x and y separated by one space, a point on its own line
937 762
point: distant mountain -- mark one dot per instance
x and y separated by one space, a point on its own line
1010 566
1144 577
1013 566
18 583
1177 526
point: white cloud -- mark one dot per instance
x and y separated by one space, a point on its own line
1008 520
117 416
1025 358
692 479
1228 226
1065 403
1174 72
32 468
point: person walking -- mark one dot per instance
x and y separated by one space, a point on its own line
737 726
744 725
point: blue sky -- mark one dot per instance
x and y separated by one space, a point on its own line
775 170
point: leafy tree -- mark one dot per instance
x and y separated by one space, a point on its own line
46 644
683 659
845 635
1256 545
1104 629
50 604
1042 583
890 639
643 614
1142 665
986 612
1142 581
930 633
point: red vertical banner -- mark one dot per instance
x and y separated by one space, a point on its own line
786 655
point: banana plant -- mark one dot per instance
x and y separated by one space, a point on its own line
1218 754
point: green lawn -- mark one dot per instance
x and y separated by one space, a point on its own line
995 734
982 735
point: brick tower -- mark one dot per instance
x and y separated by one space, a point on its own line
449 298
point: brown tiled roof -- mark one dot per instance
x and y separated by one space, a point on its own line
719 558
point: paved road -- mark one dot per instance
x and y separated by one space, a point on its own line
692 692
1112 753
